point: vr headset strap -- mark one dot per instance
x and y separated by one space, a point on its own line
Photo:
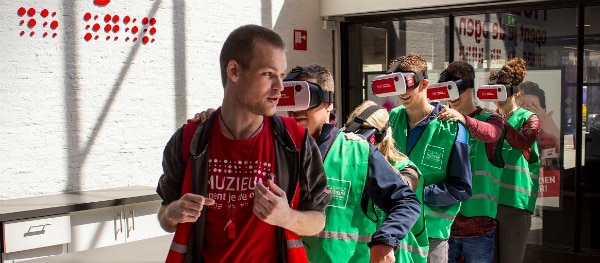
360 119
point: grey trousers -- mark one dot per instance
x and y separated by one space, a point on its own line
512 233
438 250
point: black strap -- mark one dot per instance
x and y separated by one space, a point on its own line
360 119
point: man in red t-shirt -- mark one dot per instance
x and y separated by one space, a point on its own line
243 171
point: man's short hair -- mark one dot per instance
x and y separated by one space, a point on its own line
461 69
410 62
239 46
322 74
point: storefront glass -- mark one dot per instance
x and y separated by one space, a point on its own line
569 199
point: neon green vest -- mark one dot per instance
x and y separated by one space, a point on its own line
414 247
431 154
347 230
486 178
519 181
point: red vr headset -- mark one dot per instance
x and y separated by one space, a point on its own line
301 95
396 83
496 91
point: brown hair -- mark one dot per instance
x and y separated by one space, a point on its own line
322 74
239 46
461 69
514 71
410 62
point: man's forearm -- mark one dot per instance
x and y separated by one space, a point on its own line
306 223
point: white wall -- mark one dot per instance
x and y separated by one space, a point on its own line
79 115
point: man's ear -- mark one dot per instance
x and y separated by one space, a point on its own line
233 70
424 83
330 107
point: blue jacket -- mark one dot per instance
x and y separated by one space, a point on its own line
384 187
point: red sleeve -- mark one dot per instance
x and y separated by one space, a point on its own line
486 131
524 138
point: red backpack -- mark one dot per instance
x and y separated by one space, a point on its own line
295 253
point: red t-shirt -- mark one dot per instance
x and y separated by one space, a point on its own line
233 233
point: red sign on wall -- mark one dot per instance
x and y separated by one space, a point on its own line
300 39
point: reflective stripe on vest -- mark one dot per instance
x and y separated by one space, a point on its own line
345 236
412 249
439 214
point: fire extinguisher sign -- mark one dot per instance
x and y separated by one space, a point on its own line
300 39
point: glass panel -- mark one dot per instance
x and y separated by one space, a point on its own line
546 39
591 114
380 43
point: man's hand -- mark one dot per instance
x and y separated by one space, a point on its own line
202 116
187 209
451 114
382 254
271 205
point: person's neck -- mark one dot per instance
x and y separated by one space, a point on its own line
467 108
419 112
507 108
239 124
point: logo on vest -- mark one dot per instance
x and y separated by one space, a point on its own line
473 148
433 156
340 190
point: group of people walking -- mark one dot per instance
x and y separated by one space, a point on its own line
424 182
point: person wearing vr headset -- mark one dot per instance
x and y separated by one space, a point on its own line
519 180
371 122
438 147
356 172
472 233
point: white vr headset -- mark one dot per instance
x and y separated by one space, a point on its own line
496 92
301 95
396 83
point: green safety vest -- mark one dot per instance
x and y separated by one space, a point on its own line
486 177
520 179
347 230
431 154
414 247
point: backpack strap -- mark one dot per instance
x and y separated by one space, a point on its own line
296 252
297 132
179 244
188 134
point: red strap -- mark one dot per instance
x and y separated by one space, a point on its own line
182 233
188 134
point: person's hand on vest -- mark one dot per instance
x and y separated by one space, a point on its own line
201 117
271 204
451 114
382 254
188 208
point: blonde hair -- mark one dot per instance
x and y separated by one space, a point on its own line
378 120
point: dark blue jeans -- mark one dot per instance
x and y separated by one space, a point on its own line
473 249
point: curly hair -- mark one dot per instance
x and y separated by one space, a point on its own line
410 62
378 120
513 71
